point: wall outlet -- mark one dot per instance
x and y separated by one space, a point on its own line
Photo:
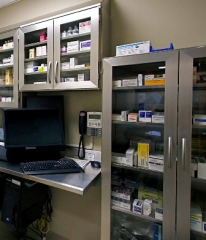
89 156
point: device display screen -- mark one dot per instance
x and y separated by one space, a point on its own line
94 117
32 128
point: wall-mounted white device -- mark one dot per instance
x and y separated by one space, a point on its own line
94 124
94 119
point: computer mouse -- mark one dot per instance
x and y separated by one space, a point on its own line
95 164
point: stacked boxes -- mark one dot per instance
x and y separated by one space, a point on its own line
153 195
121 197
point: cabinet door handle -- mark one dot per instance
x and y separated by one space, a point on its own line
169 152
183 153
55 74
49 73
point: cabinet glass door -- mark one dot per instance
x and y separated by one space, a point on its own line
36 56
76 42
9 69
191 194
139 146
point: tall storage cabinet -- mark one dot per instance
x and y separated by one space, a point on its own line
118 219
191 174
9 69
182 137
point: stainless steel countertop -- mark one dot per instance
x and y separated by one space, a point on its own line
71 182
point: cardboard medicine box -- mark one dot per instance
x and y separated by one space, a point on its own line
196 218
143 154
151 194
137 206
150 80
133 48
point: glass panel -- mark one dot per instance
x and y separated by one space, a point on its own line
6 69
36 57
75 48
137 151
198 167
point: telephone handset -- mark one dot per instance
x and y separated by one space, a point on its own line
82 122
82 132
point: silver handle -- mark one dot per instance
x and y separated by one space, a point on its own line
49 73
169 152
183 153
55 74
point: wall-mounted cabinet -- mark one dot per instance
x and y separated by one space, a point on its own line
9 69
61 53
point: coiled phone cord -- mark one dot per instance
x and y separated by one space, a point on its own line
81 143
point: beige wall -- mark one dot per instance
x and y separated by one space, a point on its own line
161 21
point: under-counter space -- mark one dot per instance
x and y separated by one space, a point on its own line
71 182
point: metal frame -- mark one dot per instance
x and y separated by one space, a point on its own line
31 28
15 103
94 54
184 138
170 137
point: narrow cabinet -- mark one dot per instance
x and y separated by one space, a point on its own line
140 95
36 56
76 52
191 174
9 69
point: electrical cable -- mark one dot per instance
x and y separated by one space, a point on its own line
81 142
42 224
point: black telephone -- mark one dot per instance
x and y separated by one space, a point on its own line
82 132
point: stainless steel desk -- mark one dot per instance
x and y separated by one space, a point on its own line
72 182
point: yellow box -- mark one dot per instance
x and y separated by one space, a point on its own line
154 81
151 194
9 77
143 154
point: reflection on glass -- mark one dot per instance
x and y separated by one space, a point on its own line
198 161
75 48
138 151
36 57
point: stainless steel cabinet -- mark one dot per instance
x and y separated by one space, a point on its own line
191 174
117 217
34 53
60 44
88 58
9 69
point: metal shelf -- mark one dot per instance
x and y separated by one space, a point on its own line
5 86
139 169
35 73
77 36
199 233
135 214
35 59
7 50
35 44
195 126
6 66
75 53
139 88
141 124
76 69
